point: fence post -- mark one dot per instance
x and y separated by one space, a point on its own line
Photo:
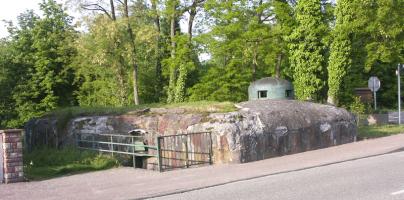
186 152
76 139
211 148
133 153
159 159
11 156
93 141
111 148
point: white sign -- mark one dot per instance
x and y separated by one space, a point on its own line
374 84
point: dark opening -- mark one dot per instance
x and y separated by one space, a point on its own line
262 94
139 162
288 93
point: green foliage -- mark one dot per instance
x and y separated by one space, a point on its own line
38 67
102 70
340 57
222 85
307 51
357 106
179 67
243 48
48 163
46 65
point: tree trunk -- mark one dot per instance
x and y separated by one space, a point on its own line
159 81
331 100
255 62
113 16
192 14
133 53
173 69
278 66
259 14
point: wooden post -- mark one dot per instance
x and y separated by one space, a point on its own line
159 158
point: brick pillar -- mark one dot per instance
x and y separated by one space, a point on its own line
12 155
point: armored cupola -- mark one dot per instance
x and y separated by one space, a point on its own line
270 88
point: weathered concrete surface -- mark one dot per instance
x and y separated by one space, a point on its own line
267 128
258 130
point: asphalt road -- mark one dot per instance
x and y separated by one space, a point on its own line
379 178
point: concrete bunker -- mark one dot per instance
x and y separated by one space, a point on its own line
258 129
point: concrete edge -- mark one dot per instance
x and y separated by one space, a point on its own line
263 175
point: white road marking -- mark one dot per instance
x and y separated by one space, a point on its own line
398 192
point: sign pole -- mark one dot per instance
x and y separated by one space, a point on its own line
374 93
399 93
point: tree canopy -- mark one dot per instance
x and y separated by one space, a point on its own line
149 51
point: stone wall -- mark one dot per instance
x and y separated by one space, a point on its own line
11 155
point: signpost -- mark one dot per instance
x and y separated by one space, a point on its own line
374 86
399 67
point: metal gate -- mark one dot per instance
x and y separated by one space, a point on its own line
184 150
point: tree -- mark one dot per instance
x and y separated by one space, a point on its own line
340 57
43 51
307 50
241 44
111 14
285 23
102 72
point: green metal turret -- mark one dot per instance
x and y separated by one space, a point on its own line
270 88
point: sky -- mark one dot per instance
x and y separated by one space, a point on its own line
9 10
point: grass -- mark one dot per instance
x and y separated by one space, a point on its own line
64 115
379 131
203 106
48 163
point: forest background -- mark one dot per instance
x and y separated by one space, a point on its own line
134 52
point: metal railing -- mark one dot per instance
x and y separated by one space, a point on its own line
170 151
115 144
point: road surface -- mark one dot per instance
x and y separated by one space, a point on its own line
380 177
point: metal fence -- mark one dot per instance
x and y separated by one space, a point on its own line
185 150
170 152
115 144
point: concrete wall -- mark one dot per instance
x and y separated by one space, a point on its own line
11 143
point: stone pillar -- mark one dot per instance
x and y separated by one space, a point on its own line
12 155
